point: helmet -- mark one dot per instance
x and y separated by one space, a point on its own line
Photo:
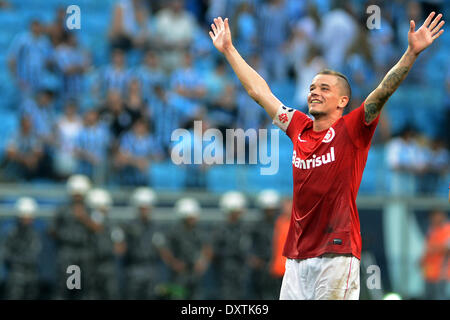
26 207
187 207
78 184
143 197
268 199
99 199
232 201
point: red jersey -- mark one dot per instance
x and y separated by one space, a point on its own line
327 170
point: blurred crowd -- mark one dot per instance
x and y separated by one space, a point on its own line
110 116
140 258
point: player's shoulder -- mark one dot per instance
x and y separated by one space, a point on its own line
292 115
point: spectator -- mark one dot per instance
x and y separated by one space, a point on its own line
134 102
359 67
220 97
68 126
382 48
405 160
314 63
21 248
246 29
249 114
28 58
129 28
56 30
91 148
175 29
115 76
115 117
24 154
150 74
437 164
302 38
72 64
161 106
42 114
196 173
337 33
5 4
188 91
435 260
137 150
187 82
274 32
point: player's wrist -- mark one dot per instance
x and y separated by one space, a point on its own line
411 52
229 50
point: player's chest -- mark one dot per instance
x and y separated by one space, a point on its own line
313 151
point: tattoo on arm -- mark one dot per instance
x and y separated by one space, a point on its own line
380 95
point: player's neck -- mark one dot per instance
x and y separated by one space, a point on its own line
325 122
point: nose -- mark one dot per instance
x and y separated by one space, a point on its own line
313 94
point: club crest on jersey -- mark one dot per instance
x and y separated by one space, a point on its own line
329 136
283 118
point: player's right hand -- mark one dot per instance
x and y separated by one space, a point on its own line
221 34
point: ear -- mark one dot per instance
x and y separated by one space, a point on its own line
343 102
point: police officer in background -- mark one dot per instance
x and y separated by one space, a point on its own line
22 247
187 251
263 284
231 247
105 280
143 242
72 229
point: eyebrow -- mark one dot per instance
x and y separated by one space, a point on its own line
320 85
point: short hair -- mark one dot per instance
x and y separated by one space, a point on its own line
344 80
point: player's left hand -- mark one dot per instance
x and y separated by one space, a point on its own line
419 40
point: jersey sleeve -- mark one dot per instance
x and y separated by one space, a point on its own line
290 120
360 132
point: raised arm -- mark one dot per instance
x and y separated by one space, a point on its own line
417 42
253 83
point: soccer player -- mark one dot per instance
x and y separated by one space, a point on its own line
323 246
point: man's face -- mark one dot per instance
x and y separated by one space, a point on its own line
438 218
118 58
144 212
36 28
90 118
44 99
325 96
26 125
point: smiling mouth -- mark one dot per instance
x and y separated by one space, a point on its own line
315 101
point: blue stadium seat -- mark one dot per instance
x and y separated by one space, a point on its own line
13 20
220 178
167 176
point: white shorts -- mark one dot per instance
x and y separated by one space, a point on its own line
328 277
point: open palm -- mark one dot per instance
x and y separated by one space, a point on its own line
419 40
221 34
